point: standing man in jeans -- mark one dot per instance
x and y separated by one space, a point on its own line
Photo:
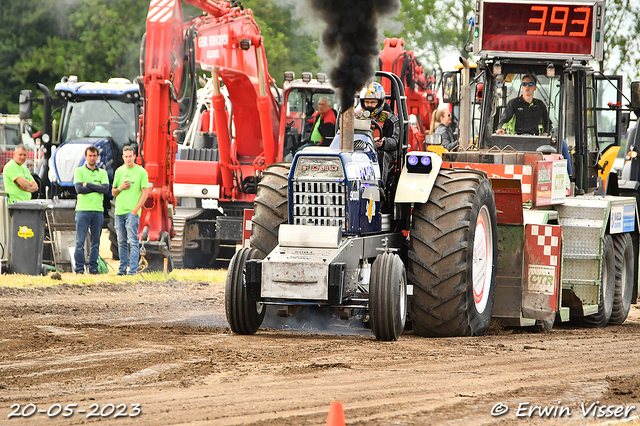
131 189
91 184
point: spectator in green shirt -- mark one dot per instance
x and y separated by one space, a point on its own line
91 184
18 181
131 189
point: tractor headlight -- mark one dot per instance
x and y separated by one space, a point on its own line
419 163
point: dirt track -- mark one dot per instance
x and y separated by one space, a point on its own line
167 347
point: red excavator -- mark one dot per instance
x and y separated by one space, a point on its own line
420 89
194 213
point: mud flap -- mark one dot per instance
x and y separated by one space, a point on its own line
543 256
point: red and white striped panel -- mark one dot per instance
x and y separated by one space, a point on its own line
246 226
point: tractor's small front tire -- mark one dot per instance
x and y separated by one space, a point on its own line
244 316
388 297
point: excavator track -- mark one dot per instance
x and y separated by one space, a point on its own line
180 218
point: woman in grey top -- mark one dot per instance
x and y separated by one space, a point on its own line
442 120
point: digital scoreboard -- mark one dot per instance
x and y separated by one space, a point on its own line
541 29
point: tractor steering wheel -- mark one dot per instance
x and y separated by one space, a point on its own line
376 129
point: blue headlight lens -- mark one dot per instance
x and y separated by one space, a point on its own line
413 160
426 160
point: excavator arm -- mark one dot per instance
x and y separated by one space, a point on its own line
226 42
422 99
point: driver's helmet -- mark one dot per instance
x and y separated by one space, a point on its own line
373 90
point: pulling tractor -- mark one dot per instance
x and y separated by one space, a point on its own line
339 239
499 230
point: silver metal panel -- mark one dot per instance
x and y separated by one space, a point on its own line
296 273
583 221
585 241
581 269
295 280
305 236
589 294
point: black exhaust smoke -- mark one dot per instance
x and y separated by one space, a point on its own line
352 36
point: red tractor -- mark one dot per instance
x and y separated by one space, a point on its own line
244 123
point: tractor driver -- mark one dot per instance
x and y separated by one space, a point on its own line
525 115
372 99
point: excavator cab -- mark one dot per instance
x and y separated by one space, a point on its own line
300 109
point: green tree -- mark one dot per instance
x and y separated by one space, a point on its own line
441 27
436 28
622 39
42 41
93 39
288 48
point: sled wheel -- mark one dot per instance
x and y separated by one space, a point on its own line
244 317
388 297
270 208
452 256
607 287
624 264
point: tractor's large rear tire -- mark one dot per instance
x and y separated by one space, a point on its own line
113 236
244 317
270 208
453 256
607 287
623 249
388 297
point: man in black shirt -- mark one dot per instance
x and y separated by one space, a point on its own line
525 115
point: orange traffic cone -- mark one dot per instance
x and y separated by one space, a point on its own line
336 414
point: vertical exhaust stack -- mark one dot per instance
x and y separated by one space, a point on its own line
346 130
351 40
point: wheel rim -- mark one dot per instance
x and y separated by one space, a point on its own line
482 266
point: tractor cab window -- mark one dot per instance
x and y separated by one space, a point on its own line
98 118
525 111
608 112
12 134
571 121
301 114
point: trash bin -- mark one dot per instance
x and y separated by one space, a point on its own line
27 236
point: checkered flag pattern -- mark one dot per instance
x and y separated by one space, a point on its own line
547 239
